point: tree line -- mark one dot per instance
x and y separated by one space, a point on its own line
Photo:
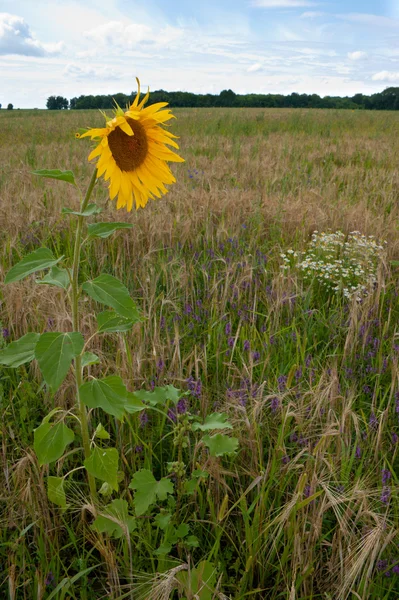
386 100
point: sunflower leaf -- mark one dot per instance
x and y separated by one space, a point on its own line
54 352
40 259
67 176
58 277
56 492
103 464
91 209
109 393
110 291
19 352
50 441
110 322
104 230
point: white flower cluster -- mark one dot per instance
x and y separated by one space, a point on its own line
340 263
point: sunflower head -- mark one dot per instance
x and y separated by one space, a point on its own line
133 152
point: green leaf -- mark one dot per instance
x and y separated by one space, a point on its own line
110 291
162 520
148 490
220 444
192 541
40 259
213 421
101 433
160 395
200 582
58 277
133 404
19 352
104 230
164 548
88 358
67 176
103 464
110 322
182 530
192 484
54 353
91 209
115 519
50 441
56 492
110 394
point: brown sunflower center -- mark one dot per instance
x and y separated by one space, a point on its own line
129 151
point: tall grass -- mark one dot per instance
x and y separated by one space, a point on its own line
309 382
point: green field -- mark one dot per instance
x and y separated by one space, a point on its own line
297 497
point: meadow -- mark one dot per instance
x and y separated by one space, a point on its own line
301 502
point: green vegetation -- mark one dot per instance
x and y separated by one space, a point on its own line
255 415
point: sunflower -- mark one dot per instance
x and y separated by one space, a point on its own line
133 152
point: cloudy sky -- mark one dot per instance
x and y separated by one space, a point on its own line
73 47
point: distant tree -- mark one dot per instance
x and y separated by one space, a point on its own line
0 106
57 103
10 106
226 98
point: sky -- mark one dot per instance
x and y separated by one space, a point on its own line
70 47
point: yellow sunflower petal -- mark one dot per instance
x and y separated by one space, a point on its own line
97 132
96 152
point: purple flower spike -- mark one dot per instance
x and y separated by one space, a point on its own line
246 345
358 452
385 495
6 333
144 418
227 329
385 476
182 406
373 422
274 404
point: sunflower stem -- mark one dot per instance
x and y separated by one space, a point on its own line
75 320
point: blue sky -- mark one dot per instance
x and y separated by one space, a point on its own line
73 47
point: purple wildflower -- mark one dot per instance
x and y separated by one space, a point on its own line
182 406
395 438
282 382
138 449
172 415
395 569
382 564
230 342
227 329
358 452
162 323
306 491
373 421
6 333
385 495
256 356
144 418
246 345
385 476
274 404
285 460
160 365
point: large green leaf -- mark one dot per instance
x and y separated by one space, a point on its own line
54 353
103 464
148 490
40 259
88 358
160 395
104 230
58 277
213 421
134 404
110 394
114 519
110 291
200 582
67 176
220 444
110 322
50 441
56 492
91 209
19 352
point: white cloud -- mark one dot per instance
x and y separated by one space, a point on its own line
16 38
92 72
370 20
129 35
357 55
390 76
312 15
283 3
255 68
